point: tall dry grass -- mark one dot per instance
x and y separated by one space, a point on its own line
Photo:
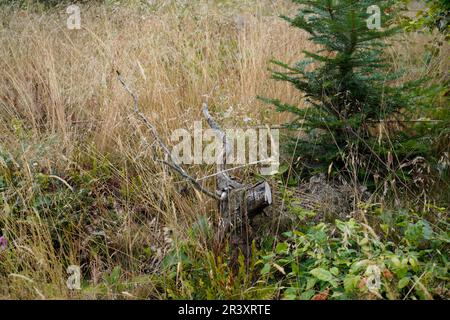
63 81
59 86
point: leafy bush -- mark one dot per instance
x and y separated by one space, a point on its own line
405 257
348 260
435 15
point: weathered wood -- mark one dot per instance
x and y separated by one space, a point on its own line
259 197
238 202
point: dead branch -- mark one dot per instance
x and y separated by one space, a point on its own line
172 164
224 181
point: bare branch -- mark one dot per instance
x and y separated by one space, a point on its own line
135 99
238 202
212 123
173 164
194 182
221 135
224 181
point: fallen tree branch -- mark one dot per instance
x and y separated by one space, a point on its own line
224 181
173 164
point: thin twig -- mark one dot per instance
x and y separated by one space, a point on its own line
190 179
62 180
235 168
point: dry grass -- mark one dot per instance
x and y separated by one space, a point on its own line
63 81
60 97
62 108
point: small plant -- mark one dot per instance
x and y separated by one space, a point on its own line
405 258
195 271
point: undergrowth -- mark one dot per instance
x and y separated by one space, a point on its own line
406 259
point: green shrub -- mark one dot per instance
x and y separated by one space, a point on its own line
348 260
435 15
406 256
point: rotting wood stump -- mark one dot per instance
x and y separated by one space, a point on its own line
237 202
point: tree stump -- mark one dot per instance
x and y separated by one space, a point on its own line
238 202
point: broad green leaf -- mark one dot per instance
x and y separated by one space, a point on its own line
307 295
403 282
265 269
334 271
311 283
281 247
350 282
322 274
290 293
396 261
